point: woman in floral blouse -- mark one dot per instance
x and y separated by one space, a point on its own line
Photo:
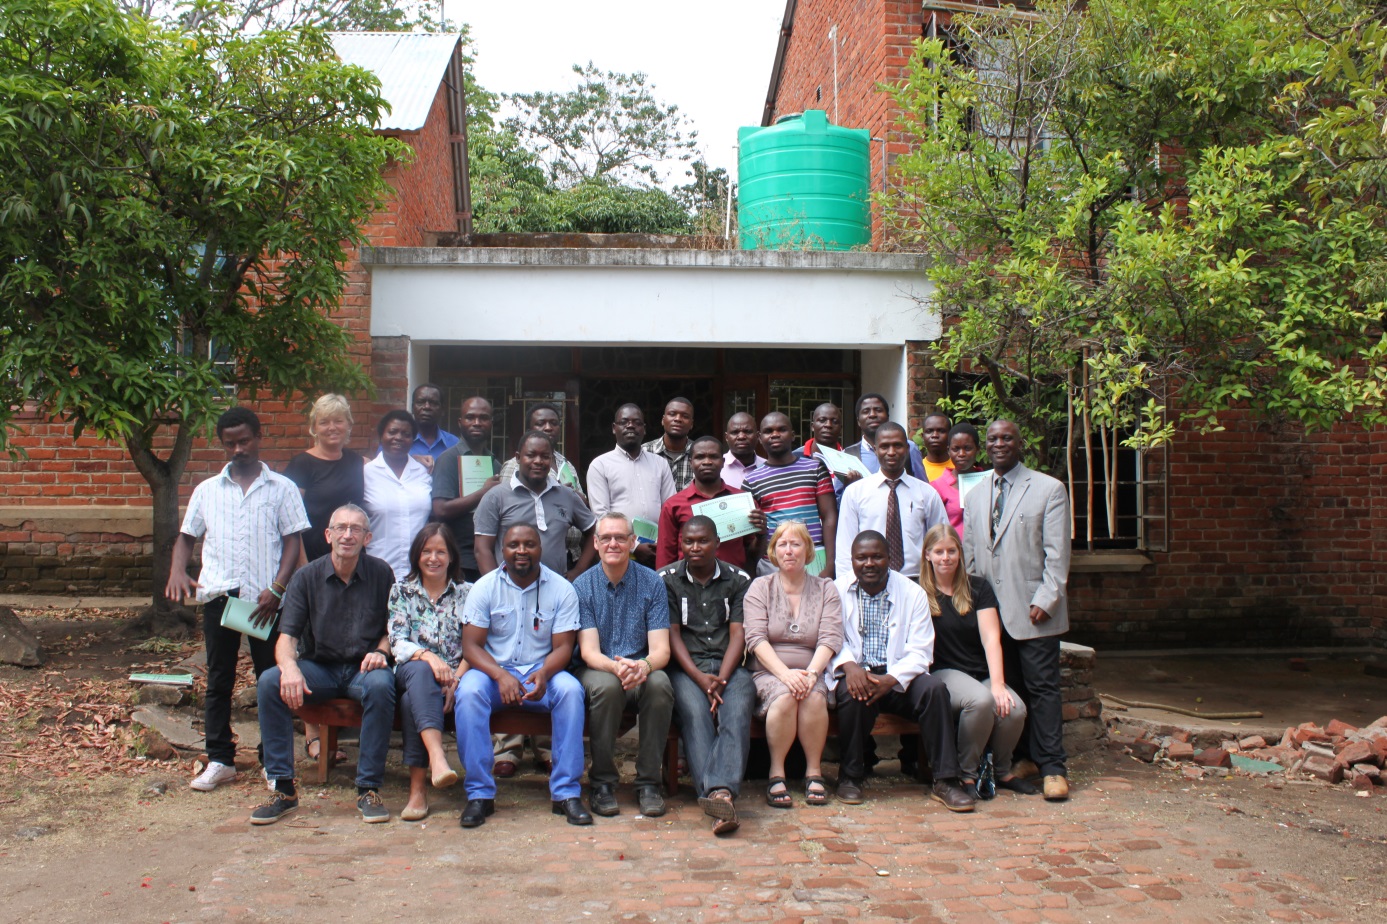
426 639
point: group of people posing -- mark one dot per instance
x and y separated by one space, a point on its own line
866 579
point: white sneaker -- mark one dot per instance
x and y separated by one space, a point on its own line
213 776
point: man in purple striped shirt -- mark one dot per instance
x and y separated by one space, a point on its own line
793 486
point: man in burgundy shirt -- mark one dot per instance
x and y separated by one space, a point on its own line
706 458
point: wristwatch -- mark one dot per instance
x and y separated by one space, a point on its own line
389 658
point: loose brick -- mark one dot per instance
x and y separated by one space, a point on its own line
1336 727
1180 750
1323 768
1213 757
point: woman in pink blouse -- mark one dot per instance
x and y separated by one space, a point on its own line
963 451
794 627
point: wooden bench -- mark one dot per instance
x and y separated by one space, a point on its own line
335 714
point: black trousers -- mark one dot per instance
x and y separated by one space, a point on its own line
223 648
1038 663
926 701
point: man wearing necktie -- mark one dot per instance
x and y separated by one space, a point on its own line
1017 536
894 503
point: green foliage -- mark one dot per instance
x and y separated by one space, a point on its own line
609 126
165 195
603 207
1144 204
328 15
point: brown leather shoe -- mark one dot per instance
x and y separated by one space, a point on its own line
952 796
1056 788
1025 769
504 769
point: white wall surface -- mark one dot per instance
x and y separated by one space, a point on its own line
687 298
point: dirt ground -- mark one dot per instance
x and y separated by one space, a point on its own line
93 833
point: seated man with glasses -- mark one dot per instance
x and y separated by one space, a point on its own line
624 638
518 629
334 641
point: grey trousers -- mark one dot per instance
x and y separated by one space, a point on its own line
975 712
654 704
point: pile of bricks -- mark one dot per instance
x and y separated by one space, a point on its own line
1337 753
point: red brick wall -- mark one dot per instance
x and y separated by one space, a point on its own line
95 473
1276 539
874 42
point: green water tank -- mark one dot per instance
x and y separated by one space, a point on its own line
804 184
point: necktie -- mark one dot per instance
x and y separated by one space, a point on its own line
895 544
999 504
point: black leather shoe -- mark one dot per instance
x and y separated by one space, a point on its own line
476 812
573 810
651 802
603 799
1018 785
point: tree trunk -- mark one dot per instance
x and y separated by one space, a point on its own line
164 617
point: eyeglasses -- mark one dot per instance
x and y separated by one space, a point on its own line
348 529
612 540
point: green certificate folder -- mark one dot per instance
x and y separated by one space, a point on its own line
818 563
473 471
645 530
236 617
172 680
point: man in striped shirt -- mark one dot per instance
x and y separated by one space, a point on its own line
249 519
793 486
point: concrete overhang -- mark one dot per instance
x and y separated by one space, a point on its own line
519 295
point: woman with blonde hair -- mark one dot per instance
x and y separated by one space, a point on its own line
794 627
328 475
968 658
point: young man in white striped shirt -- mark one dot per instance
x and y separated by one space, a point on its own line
249 519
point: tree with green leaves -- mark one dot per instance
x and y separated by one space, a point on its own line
328 15
609 126
1140 213
176 210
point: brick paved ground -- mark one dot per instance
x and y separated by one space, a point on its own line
1133 844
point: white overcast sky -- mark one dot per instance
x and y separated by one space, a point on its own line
711 58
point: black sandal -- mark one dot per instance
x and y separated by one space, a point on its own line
812 797
782 799
337 758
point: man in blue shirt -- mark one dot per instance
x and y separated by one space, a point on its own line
517 638
872 412
427 406
624 640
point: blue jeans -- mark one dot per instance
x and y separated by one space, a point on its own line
717 755
478 697
375 691
421 701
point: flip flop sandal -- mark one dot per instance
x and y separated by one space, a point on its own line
782 799
812 797
721 809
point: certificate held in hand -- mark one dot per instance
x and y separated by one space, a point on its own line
473 471
236 617
729 514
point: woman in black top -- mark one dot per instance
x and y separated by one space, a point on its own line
968 658
328 475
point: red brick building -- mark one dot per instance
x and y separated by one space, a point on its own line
1255 536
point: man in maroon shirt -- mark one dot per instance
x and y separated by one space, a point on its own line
706 458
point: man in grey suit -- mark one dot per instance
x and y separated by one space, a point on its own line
1016 534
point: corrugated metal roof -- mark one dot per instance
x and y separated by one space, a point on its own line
410 66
